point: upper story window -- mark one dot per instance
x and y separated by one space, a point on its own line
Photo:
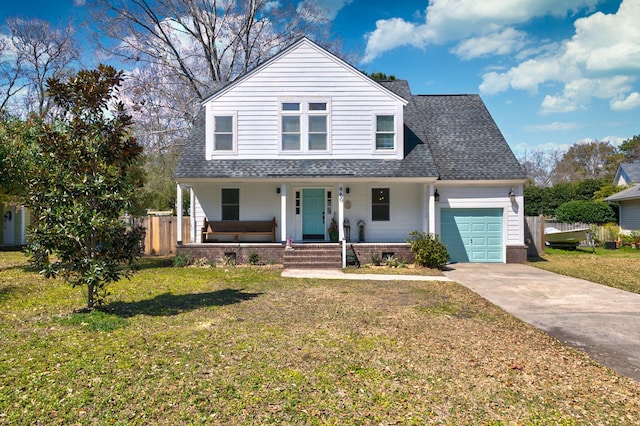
291 115
385 132
304 126
224 133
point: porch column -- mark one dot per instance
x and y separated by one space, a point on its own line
192 213
425 208
283 212
432 209
179 214
340 212
23 224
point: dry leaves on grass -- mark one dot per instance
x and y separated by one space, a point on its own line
299 352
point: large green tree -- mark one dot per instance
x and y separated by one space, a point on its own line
545 200
85 168
587 160
14 156
631 148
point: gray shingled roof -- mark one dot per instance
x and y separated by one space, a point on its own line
632 171
452 137
632 193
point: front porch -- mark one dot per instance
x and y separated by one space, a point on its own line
296 256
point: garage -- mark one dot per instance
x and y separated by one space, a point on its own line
472 235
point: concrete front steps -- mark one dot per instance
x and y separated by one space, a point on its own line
313 256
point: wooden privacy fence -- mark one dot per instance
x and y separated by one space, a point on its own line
161 233
534 232
534 235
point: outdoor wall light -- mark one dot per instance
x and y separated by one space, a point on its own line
348 190
512 196
436 196
277 190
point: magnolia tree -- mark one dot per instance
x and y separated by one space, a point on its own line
83 172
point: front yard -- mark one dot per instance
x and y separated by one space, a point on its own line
614 268
245 346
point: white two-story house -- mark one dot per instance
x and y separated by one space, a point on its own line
307 139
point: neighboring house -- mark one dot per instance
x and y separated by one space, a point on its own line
14 224
305 138
628 174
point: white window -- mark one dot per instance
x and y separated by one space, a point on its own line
385 132
318 126
304 126
224 133
291 128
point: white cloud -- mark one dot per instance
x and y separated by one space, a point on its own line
630 102
79 3
600 61
608 43
457 19
552 104
332 6
448 20
526 76
392 33
272 5
552 127
500 43
578 93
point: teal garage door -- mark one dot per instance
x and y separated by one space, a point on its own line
472 235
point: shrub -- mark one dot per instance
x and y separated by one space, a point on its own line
391 261
611 231
428 249
586 212
254 258
180 261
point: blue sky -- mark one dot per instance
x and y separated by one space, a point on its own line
552 72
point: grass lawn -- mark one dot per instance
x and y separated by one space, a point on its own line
245 346
614 268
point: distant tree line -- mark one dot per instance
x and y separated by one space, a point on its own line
571 185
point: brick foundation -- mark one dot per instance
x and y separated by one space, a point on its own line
269 253
365 251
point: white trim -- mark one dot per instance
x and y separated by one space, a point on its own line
304 113
283 212
210 137
179 213
192 212
374 132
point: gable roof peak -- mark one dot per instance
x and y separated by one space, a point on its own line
304 41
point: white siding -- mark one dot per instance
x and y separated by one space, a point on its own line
260 201
257 202
630 215
307 72
406 211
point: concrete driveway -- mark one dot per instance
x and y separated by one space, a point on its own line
600 320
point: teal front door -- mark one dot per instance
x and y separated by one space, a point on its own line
472 235
313 214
